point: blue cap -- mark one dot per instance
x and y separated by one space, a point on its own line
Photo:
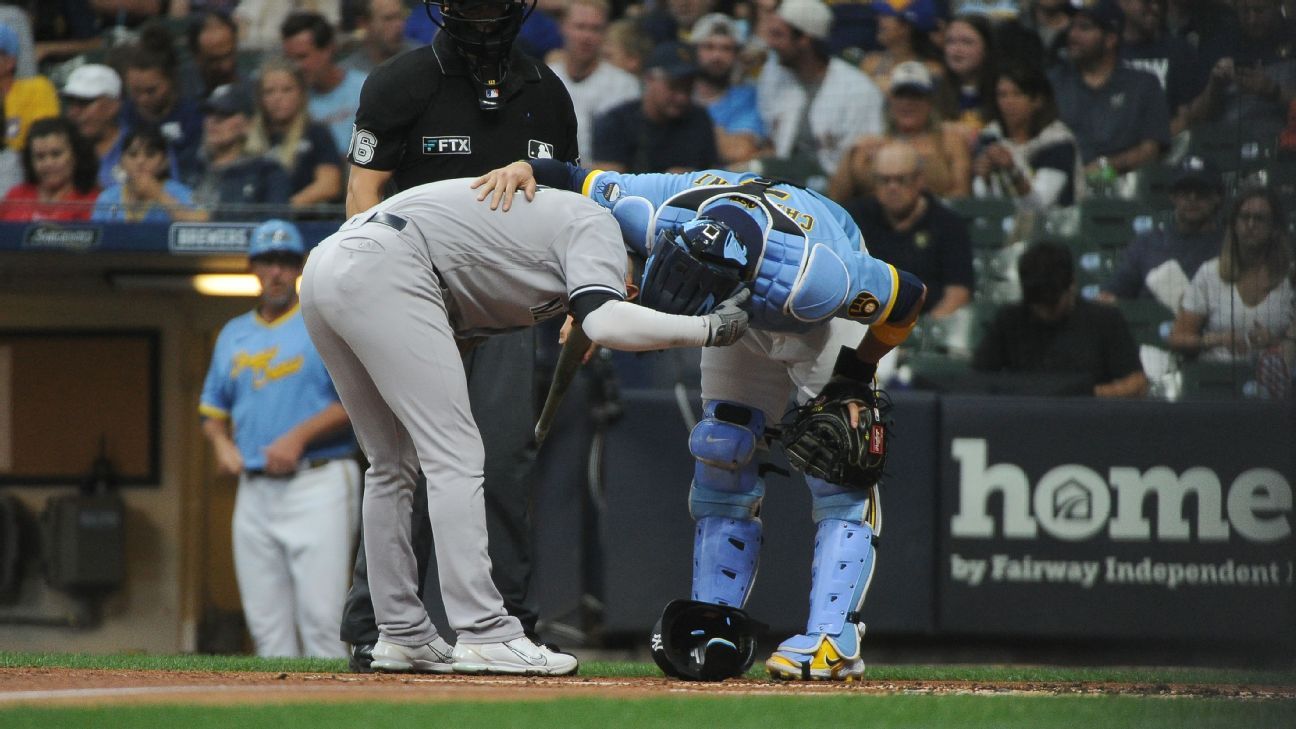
8 40
921 14
276 236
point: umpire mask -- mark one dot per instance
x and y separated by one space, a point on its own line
700 641
484 31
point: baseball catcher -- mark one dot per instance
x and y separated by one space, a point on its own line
813 288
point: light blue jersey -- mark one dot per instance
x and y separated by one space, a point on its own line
267 378
813 264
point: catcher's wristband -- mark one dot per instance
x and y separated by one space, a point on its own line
850 366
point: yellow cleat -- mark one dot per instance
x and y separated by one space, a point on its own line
816 658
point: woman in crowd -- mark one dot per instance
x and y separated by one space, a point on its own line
912 118
903 34
1240 304
59 172
1026 152
970 68
147 194
282 129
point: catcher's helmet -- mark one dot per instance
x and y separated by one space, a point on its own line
693 267
700 641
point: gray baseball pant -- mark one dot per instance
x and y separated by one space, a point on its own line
374 308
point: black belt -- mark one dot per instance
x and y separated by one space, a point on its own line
306 465
395 222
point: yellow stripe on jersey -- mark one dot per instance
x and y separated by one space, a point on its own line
588 185
895 294
211 411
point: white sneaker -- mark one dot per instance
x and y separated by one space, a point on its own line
517 656
431 658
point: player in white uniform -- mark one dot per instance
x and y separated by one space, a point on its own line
386 300
296 516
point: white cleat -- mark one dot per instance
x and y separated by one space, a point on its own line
518 657
431 658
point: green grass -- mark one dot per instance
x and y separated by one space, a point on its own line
607 669
836 710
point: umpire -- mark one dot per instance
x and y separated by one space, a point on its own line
460 107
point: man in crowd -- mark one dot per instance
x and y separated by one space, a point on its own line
1119 115
1160 263
92 100
309 42
1147 46
225 179
740 133
595 85
911 229
153 99
1054 330
664 131
25 99
813 105
383 23
213 46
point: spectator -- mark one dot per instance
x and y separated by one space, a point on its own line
1054 330
1254 86
596 86
92 100
283 131
626 47
1240 303
25 99
664 131
17 21
59 171
1148 46
911 118
213 47
672 20
1160 263
147 195
260 22
272 416
1026 152
740 133
904 33
906 226
971 70
153 97
1119 115
382 23
812 104
1050 20
308 40
227 181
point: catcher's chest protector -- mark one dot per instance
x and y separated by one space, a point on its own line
775 268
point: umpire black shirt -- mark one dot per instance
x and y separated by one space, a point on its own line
420 119
936 249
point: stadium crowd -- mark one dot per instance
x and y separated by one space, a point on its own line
1153 139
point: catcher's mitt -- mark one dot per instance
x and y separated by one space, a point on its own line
819 440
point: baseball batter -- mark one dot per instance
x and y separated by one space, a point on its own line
813 285
386 299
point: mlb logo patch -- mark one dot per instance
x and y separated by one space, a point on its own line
537 149
447 145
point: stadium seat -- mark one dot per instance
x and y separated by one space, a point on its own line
1107 223
1215 380
1148 320
989 219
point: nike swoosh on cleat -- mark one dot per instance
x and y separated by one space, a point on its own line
834 662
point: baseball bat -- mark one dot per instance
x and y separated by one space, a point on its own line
569 360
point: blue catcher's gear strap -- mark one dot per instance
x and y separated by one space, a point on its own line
840 576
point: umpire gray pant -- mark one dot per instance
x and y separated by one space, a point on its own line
374 308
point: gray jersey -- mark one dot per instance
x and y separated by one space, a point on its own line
511 270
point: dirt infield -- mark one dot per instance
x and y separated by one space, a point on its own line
64 687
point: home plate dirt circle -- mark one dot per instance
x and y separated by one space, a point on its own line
72 687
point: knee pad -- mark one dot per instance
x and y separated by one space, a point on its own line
830 501
726 555
840 576
726 480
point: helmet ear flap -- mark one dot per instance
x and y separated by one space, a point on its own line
699 641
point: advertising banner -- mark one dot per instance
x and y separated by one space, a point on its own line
1084 518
